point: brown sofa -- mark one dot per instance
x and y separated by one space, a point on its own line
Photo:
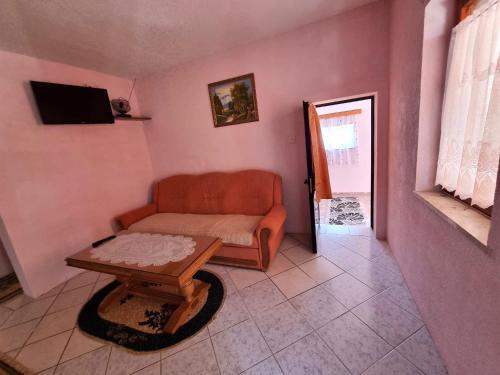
244 208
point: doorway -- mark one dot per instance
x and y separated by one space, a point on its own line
347 132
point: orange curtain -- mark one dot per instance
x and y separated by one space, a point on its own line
320 164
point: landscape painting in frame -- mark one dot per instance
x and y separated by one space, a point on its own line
233 101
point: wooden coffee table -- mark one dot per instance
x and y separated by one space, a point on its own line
172 282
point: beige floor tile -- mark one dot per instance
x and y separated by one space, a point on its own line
287 243
154 369
71 298
320 269
28 312
43 354
293 282
79 344
100 284
15 337
282 325
244 277
54 291
125 362
17 302
82 279
55 323
299 254
92 363
198 359
200 336
5 313
279 264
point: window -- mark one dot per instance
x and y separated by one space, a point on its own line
340 137
469 149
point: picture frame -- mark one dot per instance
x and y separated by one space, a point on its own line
233 101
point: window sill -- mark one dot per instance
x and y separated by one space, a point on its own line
462 216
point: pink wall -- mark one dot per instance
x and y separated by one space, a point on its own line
353 178
5 266
60 186
321 61
455 282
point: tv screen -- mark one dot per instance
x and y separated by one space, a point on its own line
66 104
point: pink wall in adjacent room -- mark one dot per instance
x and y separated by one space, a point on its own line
455 282
342 56
356 177
60 186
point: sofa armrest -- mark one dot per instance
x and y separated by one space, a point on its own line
270 232
127 219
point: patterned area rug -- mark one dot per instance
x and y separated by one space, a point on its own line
346 211
9 287
137 323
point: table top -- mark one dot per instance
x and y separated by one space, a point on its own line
204 249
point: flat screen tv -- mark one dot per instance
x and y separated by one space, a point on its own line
67 104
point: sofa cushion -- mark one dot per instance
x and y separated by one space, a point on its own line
249 192
232 229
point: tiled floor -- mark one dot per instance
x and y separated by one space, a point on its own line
345 310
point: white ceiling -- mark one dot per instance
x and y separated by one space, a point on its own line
133 38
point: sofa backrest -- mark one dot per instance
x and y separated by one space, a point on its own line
250 192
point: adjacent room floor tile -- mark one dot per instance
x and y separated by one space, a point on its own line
357 346
261 296
122 361
422 352
82 279
198 359
293 282
387 319
43 354
400 295
200 336
282 325
244 277
55 323
28 312
239 348
93 363
154 369
15 337
279 264
320 269
233 311
318 306
299 254
348 290
71 298
79 344
310 356
393 364
376 277
266 367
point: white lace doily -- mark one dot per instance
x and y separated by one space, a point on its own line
145 249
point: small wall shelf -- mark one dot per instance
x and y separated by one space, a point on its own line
135 118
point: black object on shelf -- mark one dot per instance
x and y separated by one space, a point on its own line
102 241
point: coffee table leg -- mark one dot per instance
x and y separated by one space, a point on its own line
192 296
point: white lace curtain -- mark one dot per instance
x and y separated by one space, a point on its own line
340 136
470 125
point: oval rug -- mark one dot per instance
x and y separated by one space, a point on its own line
136 323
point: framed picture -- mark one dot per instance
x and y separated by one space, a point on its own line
233 101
